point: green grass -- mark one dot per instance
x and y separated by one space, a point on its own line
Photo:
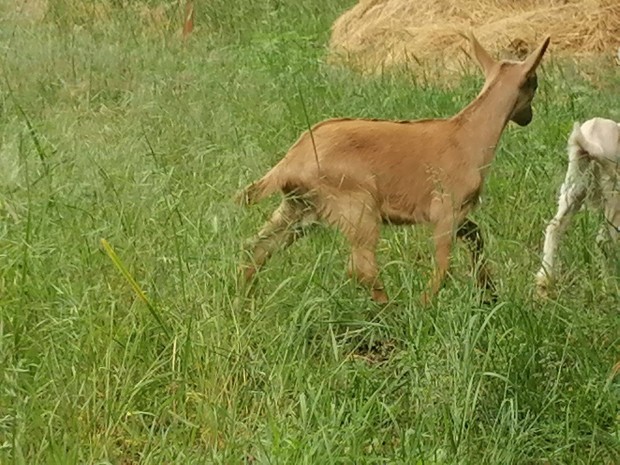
114 130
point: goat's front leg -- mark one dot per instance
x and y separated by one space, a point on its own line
571 198
358 219
469 232
443 237
363 267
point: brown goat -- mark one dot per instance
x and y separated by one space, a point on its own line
355 174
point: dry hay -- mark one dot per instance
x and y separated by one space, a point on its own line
378 34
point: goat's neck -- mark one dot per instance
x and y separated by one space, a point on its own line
484 119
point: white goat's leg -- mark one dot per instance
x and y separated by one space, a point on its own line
572 195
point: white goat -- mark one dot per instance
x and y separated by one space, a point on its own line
594 174
355 174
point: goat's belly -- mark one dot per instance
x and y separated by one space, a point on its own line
394 216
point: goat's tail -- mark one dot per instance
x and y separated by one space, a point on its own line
577 143
257 190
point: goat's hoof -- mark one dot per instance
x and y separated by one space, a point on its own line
246 280
379 296
247 273
490 298
426 299
541 293
488 292
543 285
238 303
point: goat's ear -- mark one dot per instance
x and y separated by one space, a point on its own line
531 62
485 60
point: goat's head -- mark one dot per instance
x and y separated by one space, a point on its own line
520 74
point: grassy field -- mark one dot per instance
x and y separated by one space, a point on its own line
112 129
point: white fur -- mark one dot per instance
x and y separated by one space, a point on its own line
593 173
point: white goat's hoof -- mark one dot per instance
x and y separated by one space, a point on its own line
543 284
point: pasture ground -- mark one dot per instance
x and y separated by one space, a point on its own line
111 129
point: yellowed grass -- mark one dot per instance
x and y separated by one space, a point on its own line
29 10
151 16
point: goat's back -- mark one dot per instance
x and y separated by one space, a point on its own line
394 157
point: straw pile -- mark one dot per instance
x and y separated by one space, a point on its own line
376 34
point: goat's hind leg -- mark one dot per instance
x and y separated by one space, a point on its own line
469 232
287 223
573 193
363 266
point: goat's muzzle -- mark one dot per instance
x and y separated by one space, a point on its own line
523 117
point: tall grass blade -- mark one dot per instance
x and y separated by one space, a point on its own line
134 285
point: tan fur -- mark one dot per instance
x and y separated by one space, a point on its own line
355 174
